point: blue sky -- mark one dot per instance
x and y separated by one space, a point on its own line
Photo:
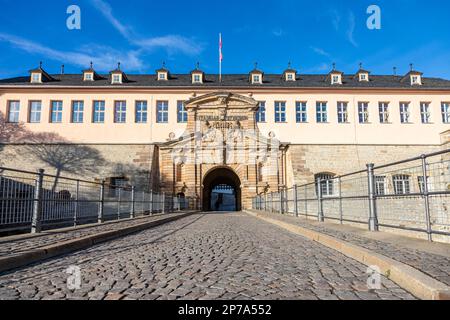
142 34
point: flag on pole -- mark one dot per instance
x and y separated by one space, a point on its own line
220 57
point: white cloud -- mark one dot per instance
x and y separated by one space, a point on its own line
320 51
104 59
277 32
351 29
172 43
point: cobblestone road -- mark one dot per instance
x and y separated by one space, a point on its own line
214 256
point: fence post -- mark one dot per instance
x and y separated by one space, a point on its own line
341 213
179 203
36 223
133 203
77 198
426 197
271 202
373 220
295 200
163 201
320 216
101 206
119 200
151 202
265 202
281 201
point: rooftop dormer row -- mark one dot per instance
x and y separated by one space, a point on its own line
256 76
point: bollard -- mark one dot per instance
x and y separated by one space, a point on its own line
36 224
163 201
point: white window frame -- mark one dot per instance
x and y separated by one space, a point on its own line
35 115
301 111
120 111
182 114
342 111
13 111
405 115
162 111
445 110
141 111
36 77
321 112
380 185
383 110
99 108
116 79
56 111
261 112
280 112
402 184
77 111
425 113
363 112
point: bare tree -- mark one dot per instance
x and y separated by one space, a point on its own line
51 149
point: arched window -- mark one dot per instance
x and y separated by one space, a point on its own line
326 183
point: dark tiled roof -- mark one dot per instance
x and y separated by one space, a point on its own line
232 81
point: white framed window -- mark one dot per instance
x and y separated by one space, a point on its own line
36 78
380 185
182 114
326 184
404 112
301 114
162 114
416 80
445 109
342 111
120 112
13 111
290 76
116 78
197 78
401 184
383 110
280 111
321 112
56 111
141 112
425 114
99 112
77 111
256 78
363 112
363 77
162 76
261 113
88 76
35 111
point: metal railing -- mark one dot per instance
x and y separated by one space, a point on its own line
37 201
411 195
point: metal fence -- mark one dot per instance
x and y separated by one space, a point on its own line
38 201
411 195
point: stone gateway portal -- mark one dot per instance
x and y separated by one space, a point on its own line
222 159
222 191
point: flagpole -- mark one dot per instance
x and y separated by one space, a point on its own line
220 57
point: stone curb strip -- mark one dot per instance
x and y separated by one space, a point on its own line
409 278
44 253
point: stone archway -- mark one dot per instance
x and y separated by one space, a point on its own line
222 190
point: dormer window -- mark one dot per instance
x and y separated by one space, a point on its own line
197 75
197 78
256 79
290 74
363 77
89 76
336 79
116 79
416 80
162 76
36 78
